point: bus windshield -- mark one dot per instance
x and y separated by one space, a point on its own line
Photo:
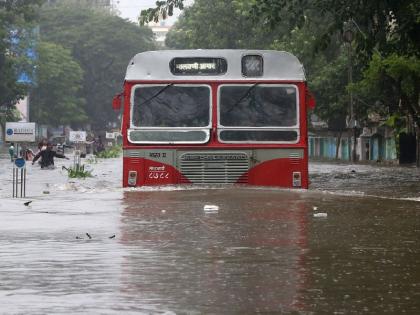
171 106
258 105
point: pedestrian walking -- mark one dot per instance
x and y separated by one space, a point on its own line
12 152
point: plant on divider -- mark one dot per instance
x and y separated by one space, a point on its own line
78 171
112 152
92 160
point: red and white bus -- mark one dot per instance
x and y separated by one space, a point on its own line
215 117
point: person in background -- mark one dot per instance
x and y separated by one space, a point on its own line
47 157
98 145
11 151
29 155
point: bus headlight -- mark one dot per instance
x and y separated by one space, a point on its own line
297 179
132 178
252 66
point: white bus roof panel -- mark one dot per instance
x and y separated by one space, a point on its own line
154 65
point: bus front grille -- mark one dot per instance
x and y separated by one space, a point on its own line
214 167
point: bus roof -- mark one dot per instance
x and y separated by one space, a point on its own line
155 65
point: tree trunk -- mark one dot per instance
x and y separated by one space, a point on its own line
418 146
337 146
3 133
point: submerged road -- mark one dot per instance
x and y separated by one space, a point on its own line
348 245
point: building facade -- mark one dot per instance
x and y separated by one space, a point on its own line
376 144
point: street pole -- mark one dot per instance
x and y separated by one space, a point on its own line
348 38
352 114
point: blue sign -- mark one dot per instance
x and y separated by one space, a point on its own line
23 43
20 162
9 131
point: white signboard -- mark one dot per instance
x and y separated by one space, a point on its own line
77 136
20 132
109 135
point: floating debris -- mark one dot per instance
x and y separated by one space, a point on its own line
45 192
27 203
112 236
88 235
211 208
320 215
314 208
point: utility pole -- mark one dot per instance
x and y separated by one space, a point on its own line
352 124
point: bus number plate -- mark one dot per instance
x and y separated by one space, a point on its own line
157 155
158 172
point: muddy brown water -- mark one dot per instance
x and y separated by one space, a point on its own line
262 251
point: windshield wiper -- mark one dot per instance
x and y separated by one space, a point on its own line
158 93
246 94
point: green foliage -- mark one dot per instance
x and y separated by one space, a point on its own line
397 123
385 43
328 83
17 16
227 26
112 152
378 25
162 10
78 171
395 82
102 44
92 160
8 114
56 99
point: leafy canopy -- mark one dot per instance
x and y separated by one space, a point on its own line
56 98
162 10
228 26
102 44
16 17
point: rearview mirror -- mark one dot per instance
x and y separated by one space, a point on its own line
310 100
116 102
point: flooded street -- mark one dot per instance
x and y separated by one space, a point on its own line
348 245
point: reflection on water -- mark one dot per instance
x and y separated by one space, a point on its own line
237 259
261 250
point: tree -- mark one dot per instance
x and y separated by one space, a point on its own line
102 44
190 31
56 99
393 82
326 69
386 44
381 25
162 10
15 17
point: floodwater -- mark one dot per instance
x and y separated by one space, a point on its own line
348 245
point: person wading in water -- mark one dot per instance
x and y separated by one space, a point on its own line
47 157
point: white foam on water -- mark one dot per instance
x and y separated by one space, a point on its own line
211 208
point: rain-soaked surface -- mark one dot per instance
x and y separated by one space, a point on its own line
348 245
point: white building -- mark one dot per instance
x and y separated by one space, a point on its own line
160 30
